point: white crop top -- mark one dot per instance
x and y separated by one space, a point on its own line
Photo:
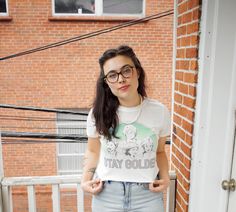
132 156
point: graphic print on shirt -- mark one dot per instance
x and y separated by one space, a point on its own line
134 148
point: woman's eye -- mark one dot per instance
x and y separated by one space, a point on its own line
113 75
127 71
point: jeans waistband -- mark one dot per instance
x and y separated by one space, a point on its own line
145 185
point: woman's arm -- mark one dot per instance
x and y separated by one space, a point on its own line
91 158
162 163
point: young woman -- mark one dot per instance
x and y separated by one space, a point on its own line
125 166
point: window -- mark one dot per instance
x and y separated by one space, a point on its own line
98 7
70 155
3 7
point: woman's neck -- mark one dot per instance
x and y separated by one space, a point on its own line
132 102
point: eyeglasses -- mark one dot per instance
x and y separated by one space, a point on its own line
125 72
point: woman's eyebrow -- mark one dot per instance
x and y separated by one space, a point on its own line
120 68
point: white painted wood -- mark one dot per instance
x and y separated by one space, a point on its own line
232 194
42 180
214 120
170 201
55 181
7 199
31 199
56 198
170 207
80 199
1 174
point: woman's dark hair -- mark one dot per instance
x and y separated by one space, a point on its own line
106 104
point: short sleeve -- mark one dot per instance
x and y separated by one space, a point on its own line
91 127
166 123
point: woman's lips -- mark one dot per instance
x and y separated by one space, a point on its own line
124 88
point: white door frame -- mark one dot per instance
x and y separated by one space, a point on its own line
214 119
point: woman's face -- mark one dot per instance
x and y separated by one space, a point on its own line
125 88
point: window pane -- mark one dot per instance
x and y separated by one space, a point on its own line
74 6
123 6
70 155
3 6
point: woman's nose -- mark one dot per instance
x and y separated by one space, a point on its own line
120 78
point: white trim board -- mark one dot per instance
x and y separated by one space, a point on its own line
213 128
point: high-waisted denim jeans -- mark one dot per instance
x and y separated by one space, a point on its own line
127 197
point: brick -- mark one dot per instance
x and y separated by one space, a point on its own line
185 149
179 76
183 88
181 30
191 52
180 53
194 40
196 14
190 78
193 3
178 98
188 139
186 18
176 86
185 41
192 91
193 65
177 120
192 28
182 8
187 163
189 102
180 133
182 64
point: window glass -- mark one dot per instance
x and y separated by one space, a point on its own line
3 6
123 6
70 155
75 6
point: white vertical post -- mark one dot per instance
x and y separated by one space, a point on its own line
7 199
80 199
170 205
1 175
56 198
31 199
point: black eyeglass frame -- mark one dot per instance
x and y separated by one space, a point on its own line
119 73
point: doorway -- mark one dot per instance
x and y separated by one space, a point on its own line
213 141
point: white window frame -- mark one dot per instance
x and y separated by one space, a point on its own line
6 13
99 11
68 124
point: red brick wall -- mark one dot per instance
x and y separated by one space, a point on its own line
186 71
65 77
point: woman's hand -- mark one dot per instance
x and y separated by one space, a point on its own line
159 185
92 186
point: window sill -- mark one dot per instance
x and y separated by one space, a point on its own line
92 18
5 18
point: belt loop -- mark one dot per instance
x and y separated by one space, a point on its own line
123 183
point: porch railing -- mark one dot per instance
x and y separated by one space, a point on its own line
56 182
31 182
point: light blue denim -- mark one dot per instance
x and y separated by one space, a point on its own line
127 197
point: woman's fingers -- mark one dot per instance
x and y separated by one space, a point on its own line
93 186
158 185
